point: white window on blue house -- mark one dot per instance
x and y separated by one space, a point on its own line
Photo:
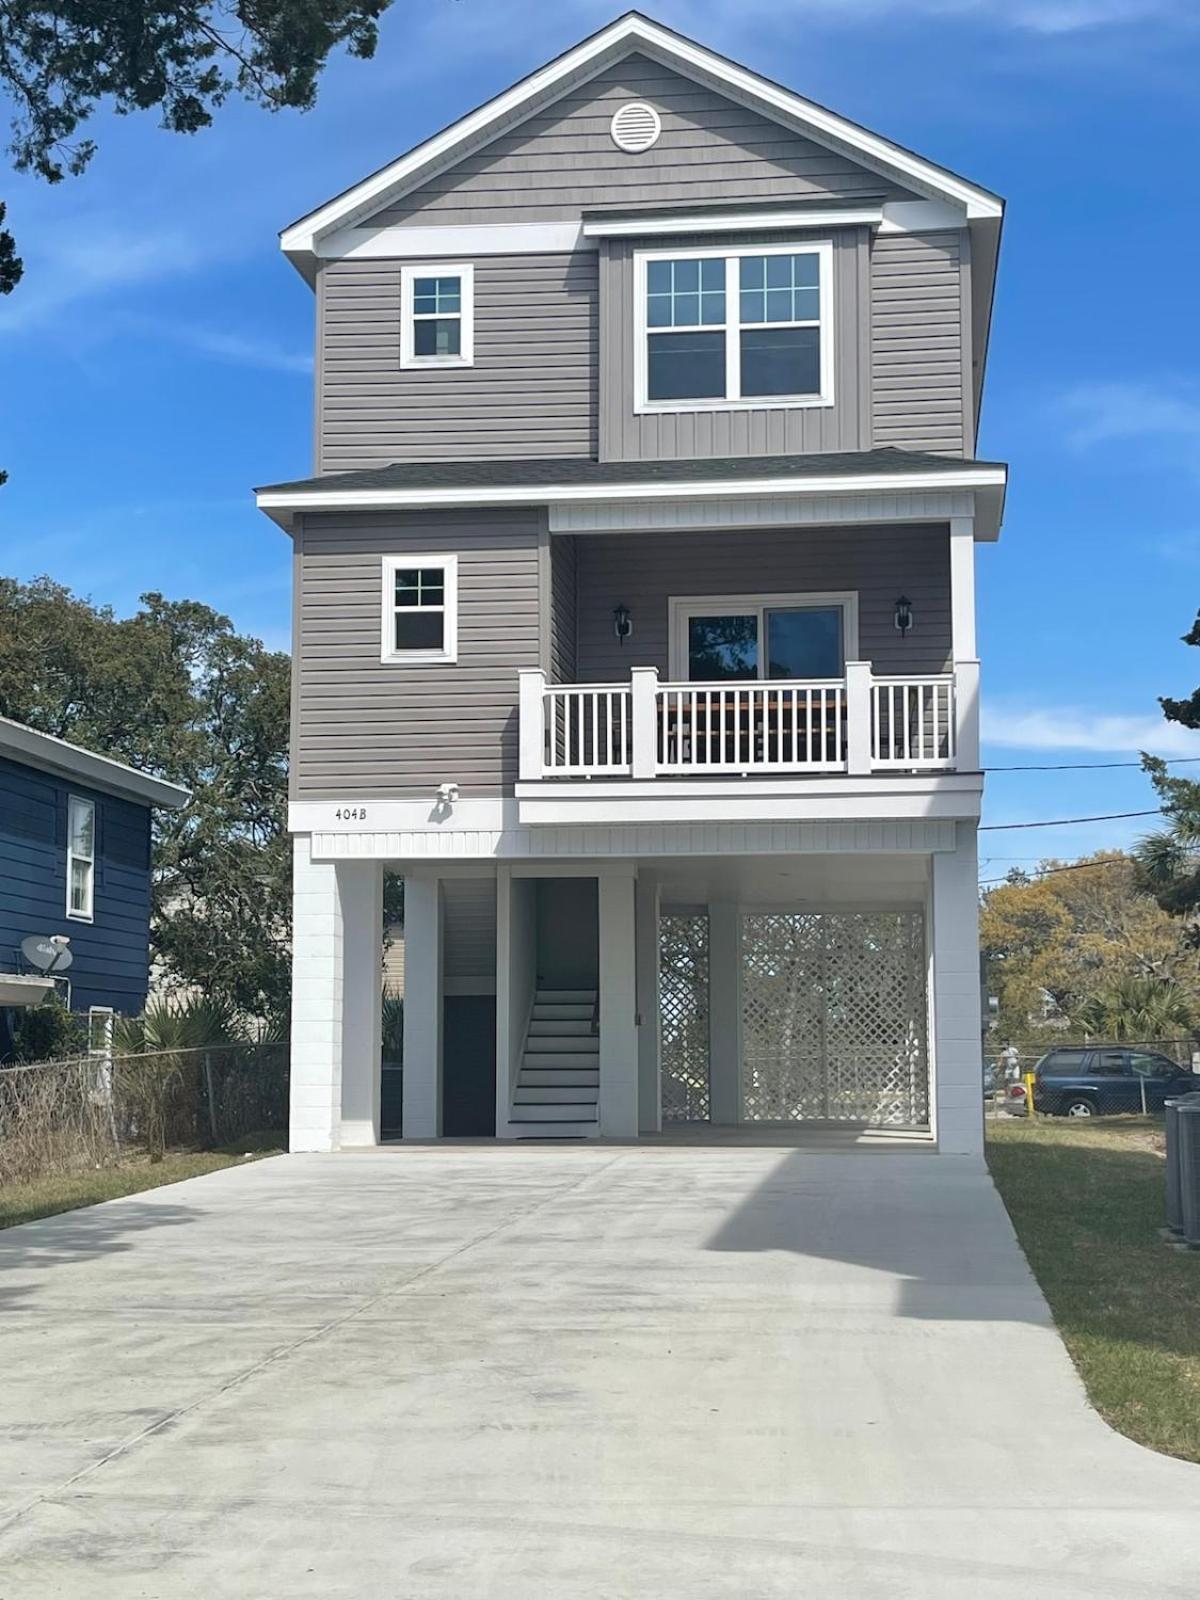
437 312
720 329
81 858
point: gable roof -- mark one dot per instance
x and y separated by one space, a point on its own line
630 32
73 762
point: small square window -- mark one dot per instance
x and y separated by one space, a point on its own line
420 606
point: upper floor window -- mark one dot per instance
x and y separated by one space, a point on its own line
420 608
718 328
437 310
81 857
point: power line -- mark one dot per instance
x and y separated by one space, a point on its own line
1066 822
1096 766
1044 872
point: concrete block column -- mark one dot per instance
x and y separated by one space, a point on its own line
957 1048
618 1003
423 1005
647 905
725 1012
360 888
316 1070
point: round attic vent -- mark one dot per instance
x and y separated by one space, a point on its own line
635 127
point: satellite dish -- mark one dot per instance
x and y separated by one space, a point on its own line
47 954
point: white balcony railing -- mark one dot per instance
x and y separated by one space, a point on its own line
645 729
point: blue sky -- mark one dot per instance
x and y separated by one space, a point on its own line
157 359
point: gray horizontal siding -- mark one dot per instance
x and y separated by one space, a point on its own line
369 728
680 435
469 927
532 390
920 383
562 160
562 609
645 572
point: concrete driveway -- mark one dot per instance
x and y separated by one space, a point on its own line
481 1373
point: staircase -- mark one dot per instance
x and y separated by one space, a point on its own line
558 1087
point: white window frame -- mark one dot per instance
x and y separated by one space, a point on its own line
465 272
449 608
102 1017
87 915
733 401
680 608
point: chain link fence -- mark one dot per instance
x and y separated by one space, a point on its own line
93 1111
1088 1077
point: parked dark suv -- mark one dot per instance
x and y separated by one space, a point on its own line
1092 1083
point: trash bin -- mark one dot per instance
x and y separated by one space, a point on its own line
1174 1187
1187 1146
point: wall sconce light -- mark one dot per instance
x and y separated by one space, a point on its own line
622 623
904 614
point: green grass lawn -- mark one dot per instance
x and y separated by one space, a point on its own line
1087 1201
25 1202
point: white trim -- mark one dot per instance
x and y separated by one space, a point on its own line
921 216
681 607
465 273
479 239
88 913
631 31
733 327
448 609
639 227
534 494
96 1014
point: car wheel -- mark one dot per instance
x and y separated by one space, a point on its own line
1079 1108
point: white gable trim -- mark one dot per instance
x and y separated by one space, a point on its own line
634 32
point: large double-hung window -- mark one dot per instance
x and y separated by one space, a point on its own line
719 328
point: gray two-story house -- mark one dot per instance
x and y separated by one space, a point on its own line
635 616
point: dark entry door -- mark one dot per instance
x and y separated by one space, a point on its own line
469 1066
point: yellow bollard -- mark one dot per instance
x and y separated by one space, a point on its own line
1029 1093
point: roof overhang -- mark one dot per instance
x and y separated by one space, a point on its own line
301 241
988 483
84 767
24 989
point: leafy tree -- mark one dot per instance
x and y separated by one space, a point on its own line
174 691
1096 944
1169 860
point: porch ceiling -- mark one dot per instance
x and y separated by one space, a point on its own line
829 880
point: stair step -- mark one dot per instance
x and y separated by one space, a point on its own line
573 1112
561 1077
565 997
577 1044
564 1013
557 1133
561 1027
541 1095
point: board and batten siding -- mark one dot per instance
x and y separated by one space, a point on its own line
920 342
644 573
562 159
752 431
532 390
367 728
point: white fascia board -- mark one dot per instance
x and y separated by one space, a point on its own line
84 767
741 805
634 227
671 48
452 243
288 501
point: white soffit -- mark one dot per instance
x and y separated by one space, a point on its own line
584 61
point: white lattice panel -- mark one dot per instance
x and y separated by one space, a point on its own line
833 1014
684 1007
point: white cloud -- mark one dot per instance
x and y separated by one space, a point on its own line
1103 413
236 349
65 268
1065 728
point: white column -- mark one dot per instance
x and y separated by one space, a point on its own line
317 967
966 715
957 1046
724 1012
360 885
531 711
643 708
962 588
618 1003
858 717
649 1073
422 1006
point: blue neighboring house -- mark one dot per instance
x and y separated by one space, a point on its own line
74 873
